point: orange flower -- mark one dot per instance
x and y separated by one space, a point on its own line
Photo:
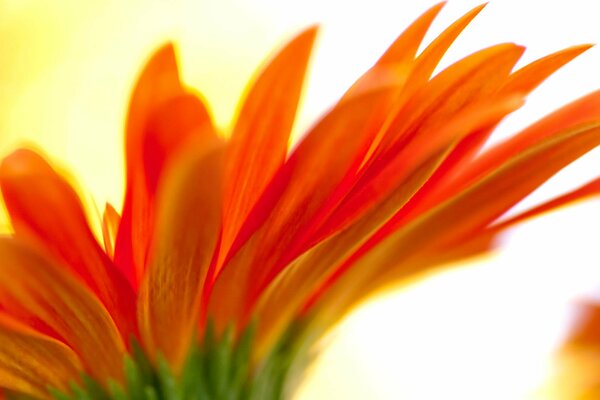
231 257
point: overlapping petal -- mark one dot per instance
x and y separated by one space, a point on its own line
300 188
30 363
393 253
259 141
389 184
45 209
188 227
163 120
51 294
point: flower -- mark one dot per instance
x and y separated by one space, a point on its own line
231 257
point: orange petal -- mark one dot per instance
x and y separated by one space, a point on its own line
171 128
45 209
110 226
422 68
405 47
431 56
472 78
452 92
55 297
483 240
395 252
259 142
581 111
188 226
157 84
524 80
31 362
589 189
413 167
307 180
532 75
175 125
399 57
465 82
441 101
499 190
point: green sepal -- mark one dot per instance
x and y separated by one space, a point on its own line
218 367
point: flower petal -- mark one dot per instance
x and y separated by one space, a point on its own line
300 188
413 168
188 226
493 64
399 57
55 297
259 142
484 240
581 111
532 75
110 226
158 83
163 119
393 253
524 80
31 362
431 56
405 47
423 123
589 189
45 210
465 108
420 70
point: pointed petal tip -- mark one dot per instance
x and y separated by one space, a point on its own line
582 48
165 51
437 7
477 9
163 59
308 35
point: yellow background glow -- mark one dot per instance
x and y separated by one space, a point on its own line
482 331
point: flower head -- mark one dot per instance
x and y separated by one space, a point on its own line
230 257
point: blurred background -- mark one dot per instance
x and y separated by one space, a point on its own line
486 329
